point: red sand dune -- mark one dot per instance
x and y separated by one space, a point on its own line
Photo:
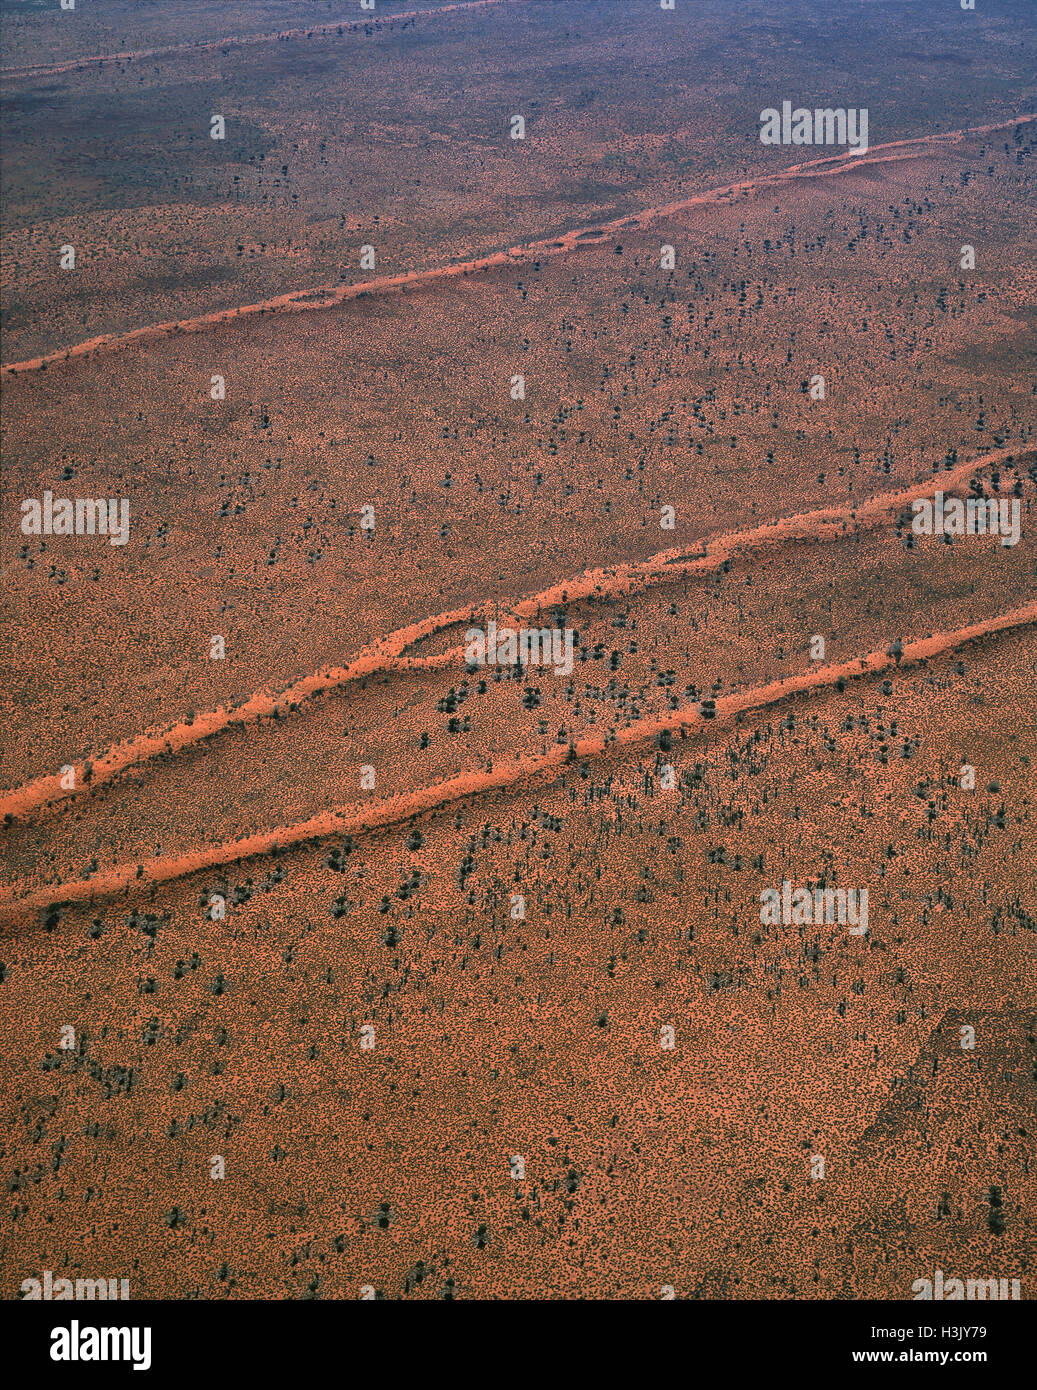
327 296
393 810
317 31
388 653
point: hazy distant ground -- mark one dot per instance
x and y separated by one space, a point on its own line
32 38
535 1033
401 140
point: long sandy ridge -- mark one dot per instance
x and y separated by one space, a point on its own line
313 31
329 296
388 653
347 820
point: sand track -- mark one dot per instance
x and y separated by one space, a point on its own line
389 652
394 810
313 31
328 296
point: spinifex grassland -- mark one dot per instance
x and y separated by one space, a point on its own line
367 922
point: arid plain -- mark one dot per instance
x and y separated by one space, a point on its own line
460 970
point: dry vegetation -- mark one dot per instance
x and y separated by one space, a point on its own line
645 388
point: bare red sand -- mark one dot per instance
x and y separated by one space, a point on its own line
388 653
383 919
394 810
327 296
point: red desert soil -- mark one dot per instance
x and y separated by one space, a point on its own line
326 296
388 653
381 918
402 808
